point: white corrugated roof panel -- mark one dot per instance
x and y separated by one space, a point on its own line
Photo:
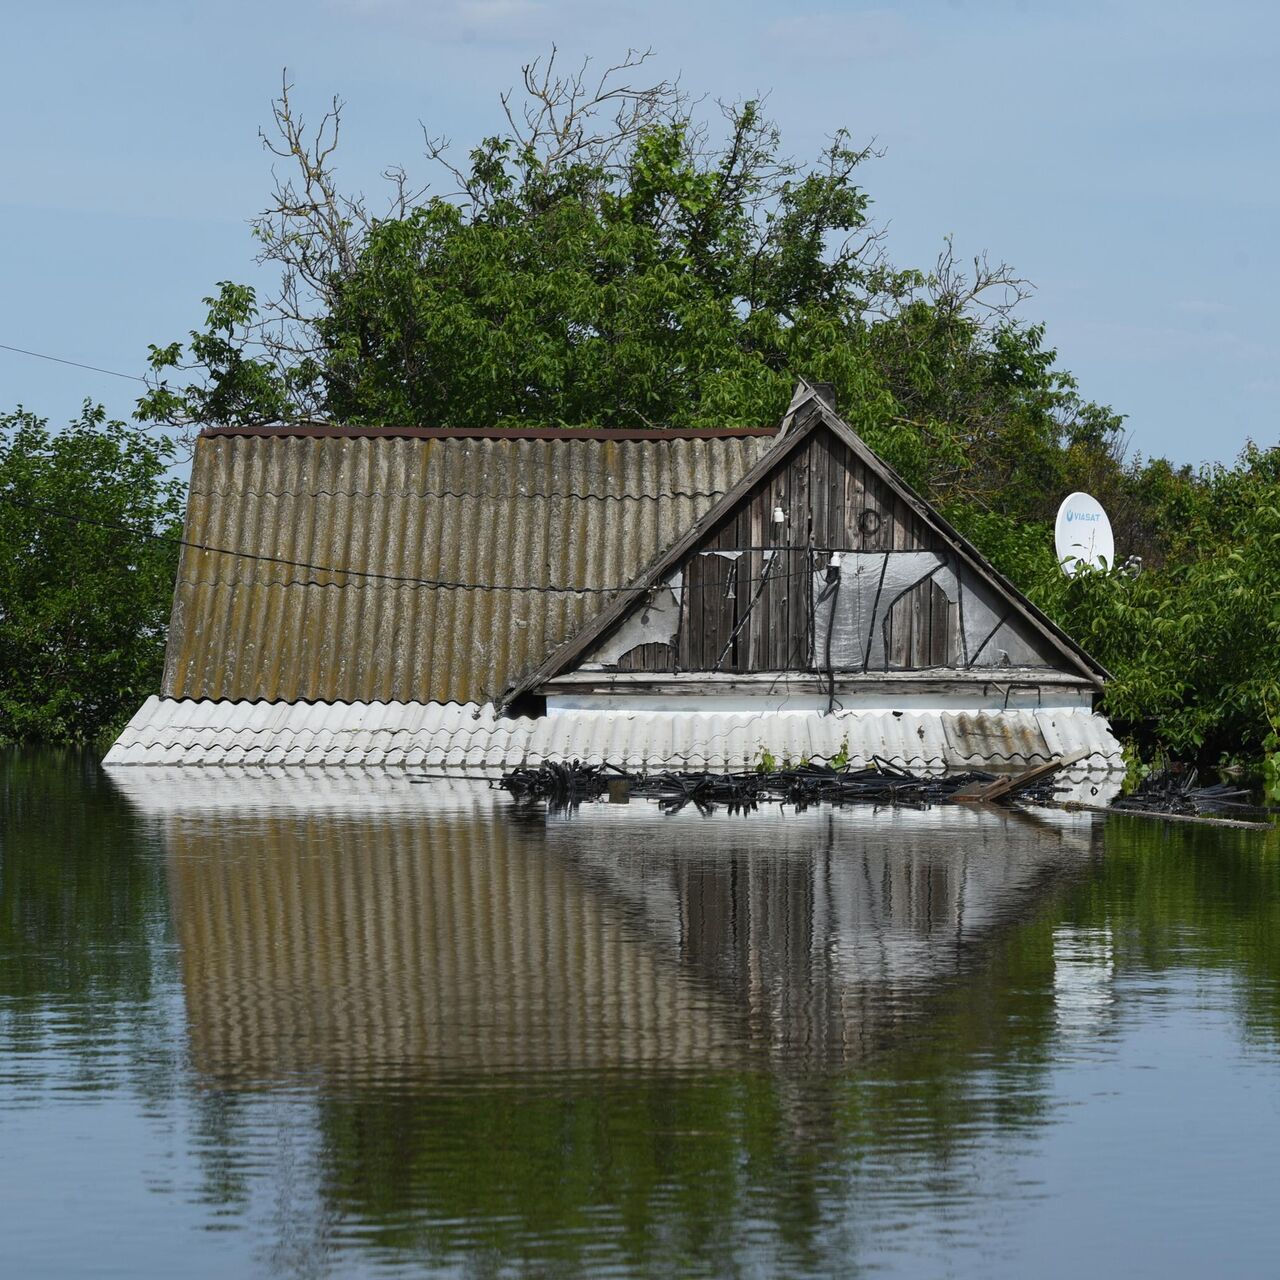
471 740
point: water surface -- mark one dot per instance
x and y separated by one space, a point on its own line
342 1024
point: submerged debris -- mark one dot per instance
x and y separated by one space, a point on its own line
564 786
1167 794
1174 793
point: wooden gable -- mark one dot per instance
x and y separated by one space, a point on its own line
749 589
745 591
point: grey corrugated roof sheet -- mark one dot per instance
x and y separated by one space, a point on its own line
561 510
473 740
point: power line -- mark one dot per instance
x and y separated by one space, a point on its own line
404 579
75 364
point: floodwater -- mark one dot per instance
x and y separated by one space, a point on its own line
345 1026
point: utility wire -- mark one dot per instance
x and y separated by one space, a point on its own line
436 583
75 364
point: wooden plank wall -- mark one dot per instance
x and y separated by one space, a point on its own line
832 503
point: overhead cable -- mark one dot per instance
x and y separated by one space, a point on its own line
75 364
442 584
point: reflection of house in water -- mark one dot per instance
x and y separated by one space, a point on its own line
361 926
825 931
1084 971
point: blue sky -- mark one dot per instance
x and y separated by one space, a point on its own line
1122 156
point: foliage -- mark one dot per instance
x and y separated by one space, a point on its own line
85 588
240 386
1271 765
1193 641
605 261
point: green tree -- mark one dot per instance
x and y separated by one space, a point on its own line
1193 641
85 586
611 259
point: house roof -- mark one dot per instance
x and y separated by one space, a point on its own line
480 743
329 564
549 521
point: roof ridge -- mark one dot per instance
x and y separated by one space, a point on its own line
317 430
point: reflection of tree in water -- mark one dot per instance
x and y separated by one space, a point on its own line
74 892
83 928
1193 897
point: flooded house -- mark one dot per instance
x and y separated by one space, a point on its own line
466 602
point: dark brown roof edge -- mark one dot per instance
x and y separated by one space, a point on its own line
328 430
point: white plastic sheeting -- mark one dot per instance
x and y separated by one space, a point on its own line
872 581
472 740
656 621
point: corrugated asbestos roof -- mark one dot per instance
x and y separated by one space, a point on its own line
567 511
472 740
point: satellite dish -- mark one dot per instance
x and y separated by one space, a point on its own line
1082 534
